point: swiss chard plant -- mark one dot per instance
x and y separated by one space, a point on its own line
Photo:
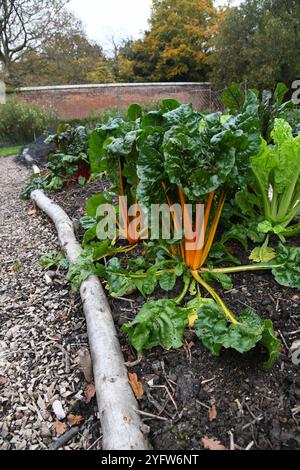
272 105
180 158
68 164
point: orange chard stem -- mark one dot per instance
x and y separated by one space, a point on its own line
203 228
188 228
124 212
175 219
213 229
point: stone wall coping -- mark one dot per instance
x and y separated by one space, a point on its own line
204 85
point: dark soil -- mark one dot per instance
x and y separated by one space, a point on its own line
254 404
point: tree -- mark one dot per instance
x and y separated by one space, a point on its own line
64 59
25 25
177 45
259 41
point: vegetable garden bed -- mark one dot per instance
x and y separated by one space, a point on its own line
255 404
232 181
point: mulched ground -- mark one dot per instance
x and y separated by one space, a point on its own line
190 394
42 332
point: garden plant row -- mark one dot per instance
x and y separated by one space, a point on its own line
242 167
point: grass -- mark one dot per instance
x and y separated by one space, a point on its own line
8 151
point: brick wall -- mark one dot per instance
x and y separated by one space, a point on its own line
79 101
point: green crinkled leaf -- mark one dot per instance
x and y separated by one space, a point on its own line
159 323
168 280
262 254
90 235
210 327
233 97
134 112
271 343
236 232
265 226
246 334
97 154
288 274
81 269
195 163
94 202
222 278
214 330
184 115
247 202
118 282
169 105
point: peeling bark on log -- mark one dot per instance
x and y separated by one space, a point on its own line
122 427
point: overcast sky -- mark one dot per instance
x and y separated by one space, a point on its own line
118 18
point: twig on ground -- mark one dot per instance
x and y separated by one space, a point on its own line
61 441
66 356
96 442
203 404
284 340
207 381
249 446
150 415
135 363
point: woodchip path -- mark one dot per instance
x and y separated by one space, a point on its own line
42 331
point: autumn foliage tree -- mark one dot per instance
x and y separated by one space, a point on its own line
177 45
65 59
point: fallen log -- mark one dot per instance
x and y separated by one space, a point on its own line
122 427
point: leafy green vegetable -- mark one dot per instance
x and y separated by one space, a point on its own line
159 323
263 254
288 274
81 269
215 332
222 278
52 260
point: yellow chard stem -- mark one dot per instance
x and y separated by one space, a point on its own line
213 229
215 296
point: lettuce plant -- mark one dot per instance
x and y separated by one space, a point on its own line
274 201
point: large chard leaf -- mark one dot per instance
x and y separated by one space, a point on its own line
119 283
184 115
159 323
233 97
216 332
288 274
196 164
97 152
162 323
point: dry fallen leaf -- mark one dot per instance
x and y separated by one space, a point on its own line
75 420
60 428
136 386
3 380
32 212
212 413
55 337
63 316
212 444
90 392
296 298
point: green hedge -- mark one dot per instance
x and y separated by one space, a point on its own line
22 123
